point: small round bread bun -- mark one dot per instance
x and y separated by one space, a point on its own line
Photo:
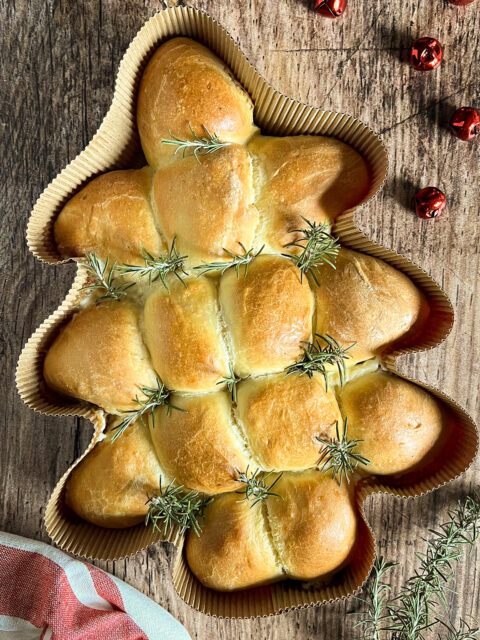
283 416
110 486
311 176
99 356
268 312
398 422
233 550
111 217
183 335
207 206
366 301
313 524
197 446
183 85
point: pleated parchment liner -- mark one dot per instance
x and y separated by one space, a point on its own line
115 146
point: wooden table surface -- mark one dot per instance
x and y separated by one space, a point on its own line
59 61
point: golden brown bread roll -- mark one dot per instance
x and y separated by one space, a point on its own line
99 356
110 216
198 447
185 83
183 335
234 550
313 525
311 176
206 206
398 422
306 533
282 417
366 301
110 485
268 313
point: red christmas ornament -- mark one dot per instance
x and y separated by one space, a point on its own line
330 8
430 202
461 3
426 54
465 123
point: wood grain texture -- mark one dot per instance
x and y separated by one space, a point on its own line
56 83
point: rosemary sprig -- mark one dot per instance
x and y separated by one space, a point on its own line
154 397
374 598
256 487
231 381
464 631
339 456
175 506
317 355
411 610
104 279
237 261
158 267
317 247
200 145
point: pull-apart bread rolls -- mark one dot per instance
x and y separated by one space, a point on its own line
185 85
398 422
311 176
110 216
367 302
306 533
99 356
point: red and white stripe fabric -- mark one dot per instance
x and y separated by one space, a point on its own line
47 595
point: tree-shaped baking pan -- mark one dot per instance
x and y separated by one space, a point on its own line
232 332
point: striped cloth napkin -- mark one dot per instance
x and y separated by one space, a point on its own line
46 594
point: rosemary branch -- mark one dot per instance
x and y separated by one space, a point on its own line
153 397
317 246
104 279
317 355
256 488
200 145
158 267
374 598
231 381
412 608
175 506
339 456
464 631
237 261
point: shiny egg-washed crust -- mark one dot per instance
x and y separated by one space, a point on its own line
306 532
182 333
111 217
268 313
185 84
99 356
197 446
282 418
310 176
397 422
207 206
367 302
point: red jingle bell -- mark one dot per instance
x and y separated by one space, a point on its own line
426 54
330 8
465 123
461 3
430 202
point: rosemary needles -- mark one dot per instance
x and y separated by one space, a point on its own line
339 455
174 506
256 486
317 247
158 267
104 279
153 397
231 381
199 145
238 260
375 596
325 350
